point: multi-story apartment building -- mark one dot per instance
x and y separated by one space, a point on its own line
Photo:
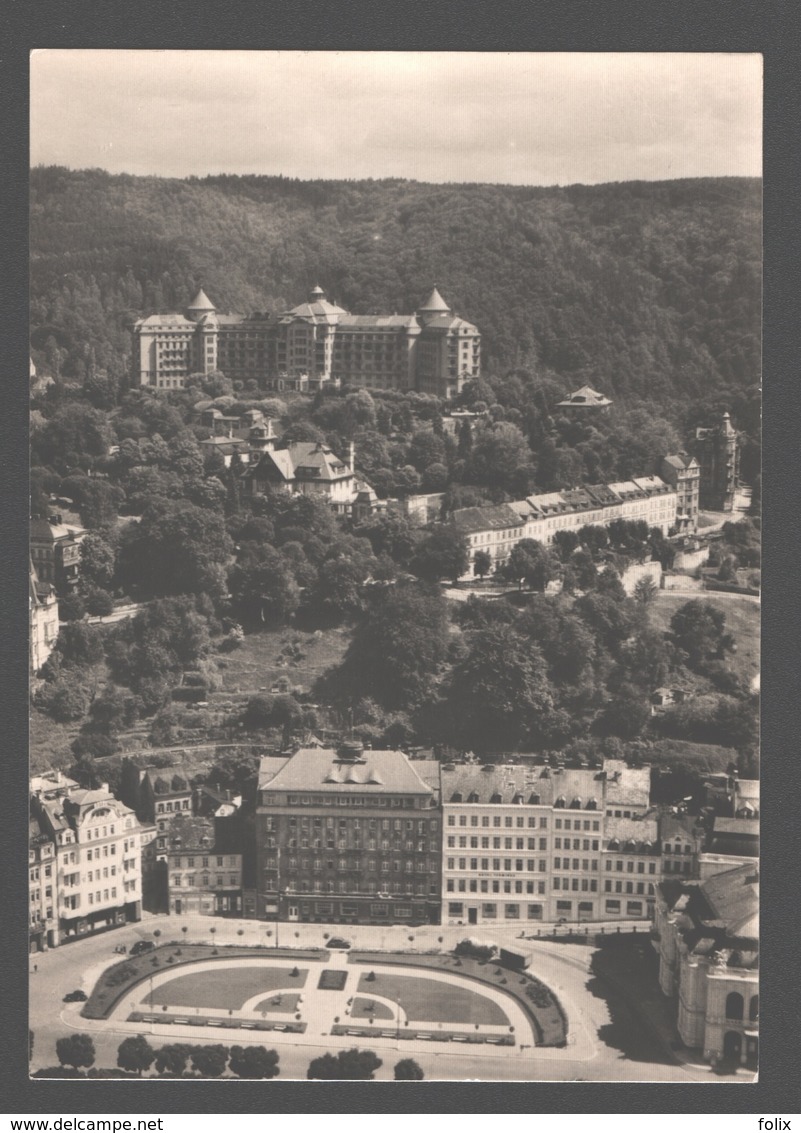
631 867
497 529
97 851
44 620
204 871
42 921
525 842
707 936
432 351
493 530
684 474
348 836
56 551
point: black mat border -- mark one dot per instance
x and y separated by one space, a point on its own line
771 28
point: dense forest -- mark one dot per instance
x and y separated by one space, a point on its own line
649 291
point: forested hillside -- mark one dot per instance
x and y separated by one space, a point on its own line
650 291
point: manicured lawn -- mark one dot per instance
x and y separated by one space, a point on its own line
223 986
369 1009
429 1001
288 1004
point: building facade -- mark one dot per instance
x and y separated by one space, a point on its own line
42 895
683 472
432 351
56 552
97 851
527 842
707 936
498 528
204 869
348 836
43 607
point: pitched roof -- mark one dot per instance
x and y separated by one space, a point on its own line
586 396
322 770
435 303
201 302
732 899
495 518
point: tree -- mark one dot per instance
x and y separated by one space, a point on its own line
76 1050
253 1062
441 554
407 1070
209 1061
396 650
529 562
264 587
500 691
626 715
80 644
482 563
177 548
566 543
645 591
699 630
135 1054
609 584
498 451
172 1058
347 1065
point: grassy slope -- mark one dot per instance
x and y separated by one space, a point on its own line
742 620
261 661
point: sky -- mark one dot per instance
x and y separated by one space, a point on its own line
523 119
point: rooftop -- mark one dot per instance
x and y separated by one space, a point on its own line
323 770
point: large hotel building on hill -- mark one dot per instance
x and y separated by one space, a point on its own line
432 351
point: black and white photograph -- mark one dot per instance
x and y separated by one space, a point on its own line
395 566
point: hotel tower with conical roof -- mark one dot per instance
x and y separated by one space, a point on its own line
432 351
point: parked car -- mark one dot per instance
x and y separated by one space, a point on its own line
76 996
142 946
338 942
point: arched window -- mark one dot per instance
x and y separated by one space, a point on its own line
560 802
592 804
495 797
753 1010
576 804
734 1005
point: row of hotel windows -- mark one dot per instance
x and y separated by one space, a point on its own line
520 864
342 844
629 887
520 821
511 912
189 862
618 865
361 886
483 886
70 858
508 821
349 800
343 864
355 823
531 843
205 880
